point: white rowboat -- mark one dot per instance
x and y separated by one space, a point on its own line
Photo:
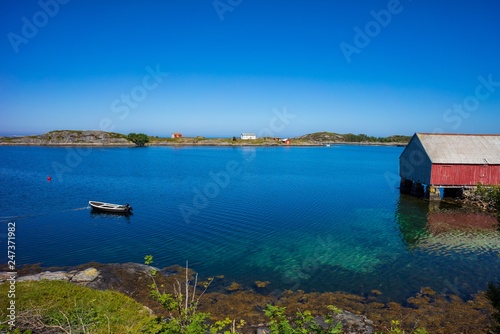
108 207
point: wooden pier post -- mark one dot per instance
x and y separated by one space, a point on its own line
405 186
417 189
433 193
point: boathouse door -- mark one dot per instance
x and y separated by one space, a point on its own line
484 175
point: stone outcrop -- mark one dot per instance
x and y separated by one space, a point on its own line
102 278
81 277
69 138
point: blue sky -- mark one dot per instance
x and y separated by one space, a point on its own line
229 66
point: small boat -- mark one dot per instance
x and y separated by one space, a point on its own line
108 207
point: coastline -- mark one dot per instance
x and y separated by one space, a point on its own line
368 312
77 138
188 144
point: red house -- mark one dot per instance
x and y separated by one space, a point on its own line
449 161
176 135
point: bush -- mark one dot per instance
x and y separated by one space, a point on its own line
490 194
140 139
182 306
303 322
493 294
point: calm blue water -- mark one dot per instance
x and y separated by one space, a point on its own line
323 218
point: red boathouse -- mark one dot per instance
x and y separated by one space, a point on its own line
449 161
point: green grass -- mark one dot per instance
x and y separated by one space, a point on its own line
67 307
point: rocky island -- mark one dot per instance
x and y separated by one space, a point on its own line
70 138
102 138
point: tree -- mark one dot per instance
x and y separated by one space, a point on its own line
140 139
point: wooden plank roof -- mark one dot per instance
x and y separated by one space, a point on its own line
461 148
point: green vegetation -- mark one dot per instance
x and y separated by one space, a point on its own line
55 306
182 307
493 294
139 139
185 317
77 133
491 194
116 135
395 329
352 138
303 322
63 307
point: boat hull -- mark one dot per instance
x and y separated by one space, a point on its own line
109 207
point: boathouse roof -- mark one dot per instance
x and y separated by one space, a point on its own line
461 148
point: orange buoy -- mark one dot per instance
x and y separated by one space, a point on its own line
49 178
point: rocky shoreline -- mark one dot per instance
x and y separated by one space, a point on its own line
127 278
73 138
360 314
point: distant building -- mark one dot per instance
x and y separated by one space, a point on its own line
248 136
176 135
286 141
449 161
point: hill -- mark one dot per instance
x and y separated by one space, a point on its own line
70 137
331 137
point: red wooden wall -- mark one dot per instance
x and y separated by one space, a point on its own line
461 175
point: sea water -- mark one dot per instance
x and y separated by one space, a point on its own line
310 218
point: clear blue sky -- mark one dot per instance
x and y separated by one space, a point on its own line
231 67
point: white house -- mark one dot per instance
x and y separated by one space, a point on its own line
247 136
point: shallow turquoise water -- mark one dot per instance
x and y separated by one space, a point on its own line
321 218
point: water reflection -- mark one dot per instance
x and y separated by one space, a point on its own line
411 217
96 214
440 227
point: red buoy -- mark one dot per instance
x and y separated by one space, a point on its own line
49 178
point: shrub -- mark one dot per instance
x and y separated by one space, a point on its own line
303 322
493 294
182 307
490 194
140 139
